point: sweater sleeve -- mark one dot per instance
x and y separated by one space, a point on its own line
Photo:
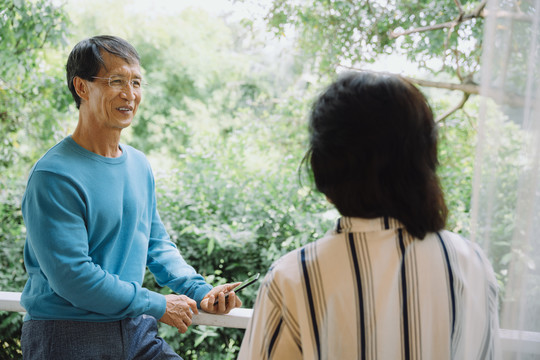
169 267
54 212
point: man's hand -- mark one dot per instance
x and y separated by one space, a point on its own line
179 312
223 306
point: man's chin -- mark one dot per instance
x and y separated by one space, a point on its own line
124 123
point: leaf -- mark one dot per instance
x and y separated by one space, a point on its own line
210 246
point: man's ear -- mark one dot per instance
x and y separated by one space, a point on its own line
81 88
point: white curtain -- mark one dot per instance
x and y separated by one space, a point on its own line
506 189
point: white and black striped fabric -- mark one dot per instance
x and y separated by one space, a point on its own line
369 290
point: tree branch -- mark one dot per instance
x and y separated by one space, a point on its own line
476 13
469 88
455 108
395 35
458 4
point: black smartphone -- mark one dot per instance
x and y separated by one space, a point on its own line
243 285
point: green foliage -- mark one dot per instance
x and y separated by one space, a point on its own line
12 277
223 124
29 34
33 104
457 142
10 331
233 208
339 32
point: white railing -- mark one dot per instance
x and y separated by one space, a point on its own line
511 340
237 318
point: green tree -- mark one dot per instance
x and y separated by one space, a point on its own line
31 82
32 106
223 123
444 41
442 38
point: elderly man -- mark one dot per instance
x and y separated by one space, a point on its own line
93 227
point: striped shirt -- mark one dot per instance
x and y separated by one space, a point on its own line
369 290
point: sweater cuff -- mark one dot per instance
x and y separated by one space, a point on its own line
200 293
156 305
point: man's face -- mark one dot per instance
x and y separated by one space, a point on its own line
114 107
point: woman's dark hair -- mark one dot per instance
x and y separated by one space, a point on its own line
373 151
85 60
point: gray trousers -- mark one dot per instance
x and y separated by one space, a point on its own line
126 339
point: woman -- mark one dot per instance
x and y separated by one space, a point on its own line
388 282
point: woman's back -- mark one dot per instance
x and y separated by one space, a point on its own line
368 290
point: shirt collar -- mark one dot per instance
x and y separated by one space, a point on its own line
354 224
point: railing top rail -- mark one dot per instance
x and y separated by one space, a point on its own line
511 340
237 318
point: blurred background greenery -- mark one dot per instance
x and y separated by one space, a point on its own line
223 120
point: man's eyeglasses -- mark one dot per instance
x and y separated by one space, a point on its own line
120 82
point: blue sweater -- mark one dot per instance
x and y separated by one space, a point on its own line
92 228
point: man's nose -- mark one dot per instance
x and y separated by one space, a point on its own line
129 92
